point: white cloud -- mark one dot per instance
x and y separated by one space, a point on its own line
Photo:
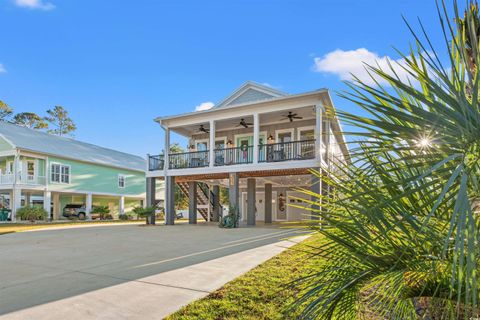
345 63
35 4
204 106
2 69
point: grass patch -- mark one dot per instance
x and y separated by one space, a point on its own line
264 292
19 227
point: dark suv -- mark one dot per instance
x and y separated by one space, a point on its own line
75 211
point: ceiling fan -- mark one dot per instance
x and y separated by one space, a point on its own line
290 116
203 129
243 123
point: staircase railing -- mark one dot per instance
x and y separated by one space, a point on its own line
205 189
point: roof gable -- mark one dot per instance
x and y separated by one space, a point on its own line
44 143
250 92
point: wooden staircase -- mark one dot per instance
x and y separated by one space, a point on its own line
202 198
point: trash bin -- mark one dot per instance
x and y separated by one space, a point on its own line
4 213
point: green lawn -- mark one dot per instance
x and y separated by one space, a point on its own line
25 226
263 293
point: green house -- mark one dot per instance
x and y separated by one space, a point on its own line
37 168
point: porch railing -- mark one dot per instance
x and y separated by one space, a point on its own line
23 179
287 151
156 162
275 152
232 156
197 159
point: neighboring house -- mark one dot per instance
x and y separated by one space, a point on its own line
258 142
37 168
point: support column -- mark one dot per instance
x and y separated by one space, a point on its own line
121 205
16 203
316 188
166 165
47 204
88 205
192 202
233 191
268 203
212 144
318 133
56 206
256 137
251 201
169 200
27 199
151 193
216 203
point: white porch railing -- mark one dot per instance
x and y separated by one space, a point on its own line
6 179
22 179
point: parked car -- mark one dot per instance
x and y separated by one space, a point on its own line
77 211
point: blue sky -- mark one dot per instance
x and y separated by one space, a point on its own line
116 65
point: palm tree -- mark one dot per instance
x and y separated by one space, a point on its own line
403 217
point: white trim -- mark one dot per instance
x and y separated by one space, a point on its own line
299 129
290 130
274 205
221 138
201 141
69 173
248 134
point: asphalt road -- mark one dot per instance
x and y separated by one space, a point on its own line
124 271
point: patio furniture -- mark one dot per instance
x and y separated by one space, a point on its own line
4 213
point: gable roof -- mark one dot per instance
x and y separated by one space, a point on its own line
250 91
44 143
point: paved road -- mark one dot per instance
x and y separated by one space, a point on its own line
125 271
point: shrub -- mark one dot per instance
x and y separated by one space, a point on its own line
125 216
102 211
146 212
31 213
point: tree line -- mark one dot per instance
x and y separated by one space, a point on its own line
57 121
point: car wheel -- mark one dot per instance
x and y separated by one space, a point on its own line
81 216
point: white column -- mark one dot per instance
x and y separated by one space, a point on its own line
56 206
16 169
318 132
212 143
256 137
121 205
17 202
47 203
88 205
167 149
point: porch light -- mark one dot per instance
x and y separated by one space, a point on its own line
271 139
229 144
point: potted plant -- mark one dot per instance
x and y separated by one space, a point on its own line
230 220
31 213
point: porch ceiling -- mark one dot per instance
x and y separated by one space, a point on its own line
278 178
233 123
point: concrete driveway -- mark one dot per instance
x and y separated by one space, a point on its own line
124 272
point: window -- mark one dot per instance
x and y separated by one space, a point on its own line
9 167
60 173
121 181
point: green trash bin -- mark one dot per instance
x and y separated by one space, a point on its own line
4 214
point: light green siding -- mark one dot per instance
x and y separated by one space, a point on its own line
85 177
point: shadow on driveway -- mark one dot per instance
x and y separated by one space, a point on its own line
49 265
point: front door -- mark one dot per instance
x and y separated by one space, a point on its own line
245 154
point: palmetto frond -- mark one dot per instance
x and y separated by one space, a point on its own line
403 216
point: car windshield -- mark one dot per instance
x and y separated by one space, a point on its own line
73 206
